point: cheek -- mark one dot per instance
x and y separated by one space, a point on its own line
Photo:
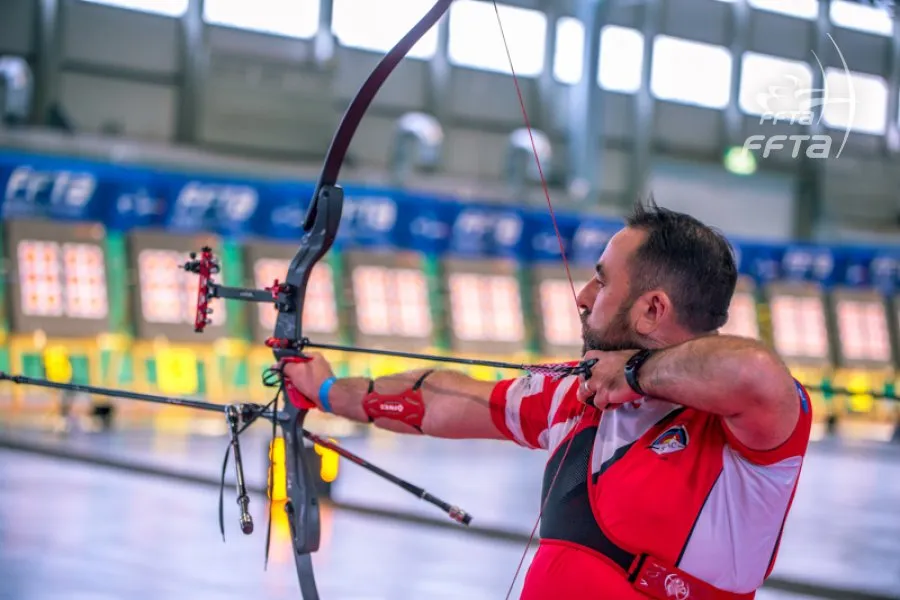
602 310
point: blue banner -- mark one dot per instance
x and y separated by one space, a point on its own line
489 232
590 238
125 197
802 262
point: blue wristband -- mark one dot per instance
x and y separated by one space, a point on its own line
323 393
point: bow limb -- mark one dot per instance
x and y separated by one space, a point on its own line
321 226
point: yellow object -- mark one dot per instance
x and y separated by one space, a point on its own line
277 472
176 371
860 401
330 462
57 365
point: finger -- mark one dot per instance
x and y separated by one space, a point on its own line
600 400
584 391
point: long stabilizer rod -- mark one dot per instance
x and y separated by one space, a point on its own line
455 513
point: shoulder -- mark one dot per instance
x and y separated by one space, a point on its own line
796 441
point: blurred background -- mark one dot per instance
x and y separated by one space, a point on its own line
136 131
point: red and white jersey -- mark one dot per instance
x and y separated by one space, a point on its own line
651 477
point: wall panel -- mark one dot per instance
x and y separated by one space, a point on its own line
267 106
124 39
139 110
17 18
760 207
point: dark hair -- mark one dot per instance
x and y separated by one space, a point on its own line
691 261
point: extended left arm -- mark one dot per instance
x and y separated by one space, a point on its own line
737 378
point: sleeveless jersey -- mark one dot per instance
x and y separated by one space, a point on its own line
647 477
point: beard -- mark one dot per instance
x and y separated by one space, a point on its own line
616 336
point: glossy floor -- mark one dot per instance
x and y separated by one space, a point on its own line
76 531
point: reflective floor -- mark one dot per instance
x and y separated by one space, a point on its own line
70 530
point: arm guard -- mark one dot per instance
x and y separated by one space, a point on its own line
406 407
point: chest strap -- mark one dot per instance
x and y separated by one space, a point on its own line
660 581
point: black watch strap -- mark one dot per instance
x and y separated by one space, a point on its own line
632 368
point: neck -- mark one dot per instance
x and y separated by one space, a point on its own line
667 338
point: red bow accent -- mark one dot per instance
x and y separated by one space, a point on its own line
293 394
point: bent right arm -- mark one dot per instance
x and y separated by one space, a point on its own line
456 406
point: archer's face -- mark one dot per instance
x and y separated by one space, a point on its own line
605 303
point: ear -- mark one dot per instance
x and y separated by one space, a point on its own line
651 311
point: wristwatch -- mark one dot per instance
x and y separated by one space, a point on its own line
633 366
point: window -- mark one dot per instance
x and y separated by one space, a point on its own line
319 309
621 55
690 72
798 325
486 308
475 39
803 9
378 25
854 15
863 330
568 62
621 59
168 8
291 18
391 302
855 101
771 85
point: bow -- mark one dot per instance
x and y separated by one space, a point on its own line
288 343
321 226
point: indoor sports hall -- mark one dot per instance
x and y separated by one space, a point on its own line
243 243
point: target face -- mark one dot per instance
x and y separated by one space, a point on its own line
62 280
742 317
560 320
57 278
41 280
486 308
165 295
85 281
863 329
320 310
799 327
391 301
168 292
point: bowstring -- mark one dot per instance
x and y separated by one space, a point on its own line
562 251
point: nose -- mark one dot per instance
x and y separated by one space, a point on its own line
585 298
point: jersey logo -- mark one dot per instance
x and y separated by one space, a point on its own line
673 439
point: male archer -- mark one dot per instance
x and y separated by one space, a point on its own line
672 468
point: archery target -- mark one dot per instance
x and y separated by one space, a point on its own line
391 301
388 301
742 317
85 281
168 292
320 310
58 280
165 295
863 330
40 278
486 308
799 326
561 325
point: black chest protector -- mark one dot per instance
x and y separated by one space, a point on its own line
567 513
